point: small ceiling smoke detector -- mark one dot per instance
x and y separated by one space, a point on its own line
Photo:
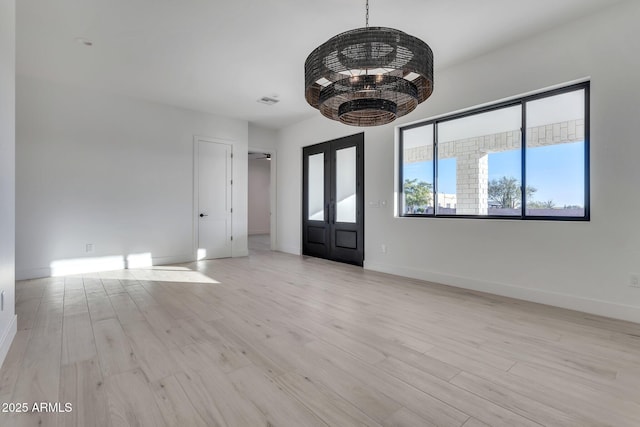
84 41
267 100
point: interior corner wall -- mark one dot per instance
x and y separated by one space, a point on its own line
8 324
578 265
114 172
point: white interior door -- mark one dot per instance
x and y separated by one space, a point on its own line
214 200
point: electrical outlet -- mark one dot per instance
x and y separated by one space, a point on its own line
89 248
383 248
634 280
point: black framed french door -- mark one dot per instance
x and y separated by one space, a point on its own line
333 200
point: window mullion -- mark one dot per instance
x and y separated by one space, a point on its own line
435 168
523 161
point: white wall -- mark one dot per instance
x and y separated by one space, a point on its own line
580 265
111 171
259 196
8 324
262 138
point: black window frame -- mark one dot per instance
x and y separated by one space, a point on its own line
522 102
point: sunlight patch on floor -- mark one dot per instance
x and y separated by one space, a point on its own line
131 267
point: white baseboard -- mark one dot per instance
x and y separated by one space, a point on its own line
294 250
33 273
253 232
572 302
177 259
7 338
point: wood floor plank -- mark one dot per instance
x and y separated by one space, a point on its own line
227 354
260 350
425 405
213 386
39 374
463 400
276 340
173 305
54 291
325 404
12 364
100 307
141 297
175 406
30 289
166 328
392 346
149 352
473 422
605 407
201 400
75 302
125 308
113 286
360 394
405 418
365 352
587 410
114 348
82 385
93 285
515 402
26 310
200 355
131 401
73 283
78 342
279 407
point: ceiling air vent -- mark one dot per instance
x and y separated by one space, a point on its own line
267 100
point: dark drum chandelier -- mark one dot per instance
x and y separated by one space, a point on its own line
369 76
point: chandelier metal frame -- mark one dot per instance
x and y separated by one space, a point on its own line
369 76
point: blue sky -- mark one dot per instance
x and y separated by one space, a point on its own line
556 171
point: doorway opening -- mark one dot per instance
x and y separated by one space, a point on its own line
261 200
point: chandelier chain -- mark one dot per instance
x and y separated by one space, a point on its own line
367 17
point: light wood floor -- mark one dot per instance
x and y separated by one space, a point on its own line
279 340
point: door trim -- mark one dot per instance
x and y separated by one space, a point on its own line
195 224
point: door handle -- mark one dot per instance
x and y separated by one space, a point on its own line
327 213
203 215
333 212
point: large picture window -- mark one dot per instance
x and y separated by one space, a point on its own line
479 164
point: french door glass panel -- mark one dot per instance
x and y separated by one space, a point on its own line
346 185
316 187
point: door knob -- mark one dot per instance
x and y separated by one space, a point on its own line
203 215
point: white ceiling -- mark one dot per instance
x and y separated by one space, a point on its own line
221 56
